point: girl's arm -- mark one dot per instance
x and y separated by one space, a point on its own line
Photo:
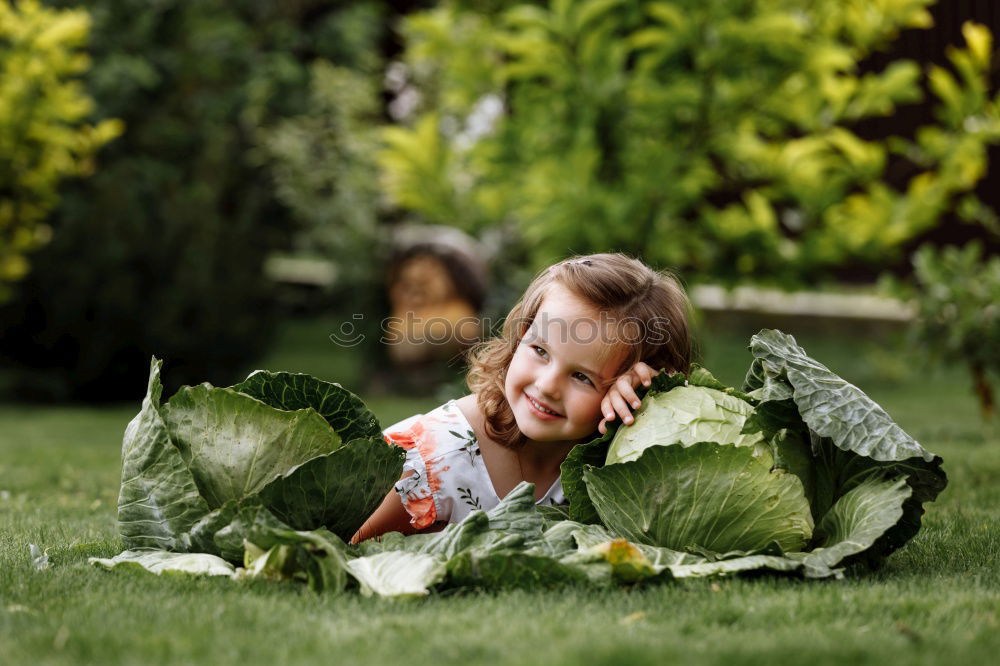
390 516
622 395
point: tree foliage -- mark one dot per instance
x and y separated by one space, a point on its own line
44 136
324 171
716 137
162 250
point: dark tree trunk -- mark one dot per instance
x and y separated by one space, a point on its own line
984 391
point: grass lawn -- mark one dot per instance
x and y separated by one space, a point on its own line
935 601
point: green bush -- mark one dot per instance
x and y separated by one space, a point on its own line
43 136
957 293
324 171
323 165
715 137
161 252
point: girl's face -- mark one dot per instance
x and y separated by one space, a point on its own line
564 363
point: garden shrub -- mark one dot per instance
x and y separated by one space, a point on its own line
162 251
957 294
721 139
44 138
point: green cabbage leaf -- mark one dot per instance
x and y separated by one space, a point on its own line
198 470
715 497
161 562
684 415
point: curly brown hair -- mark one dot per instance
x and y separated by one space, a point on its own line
622 287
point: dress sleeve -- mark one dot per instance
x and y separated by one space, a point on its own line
417 487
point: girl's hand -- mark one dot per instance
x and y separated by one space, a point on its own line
621 395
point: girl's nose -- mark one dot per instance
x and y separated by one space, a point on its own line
548 383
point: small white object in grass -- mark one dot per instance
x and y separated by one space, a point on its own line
4 495
39 559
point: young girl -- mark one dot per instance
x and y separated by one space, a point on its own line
586 332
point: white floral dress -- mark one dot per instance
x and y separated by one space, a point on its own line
449 479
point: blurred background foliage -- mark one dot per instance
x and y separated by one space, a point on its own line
161 249
44 136
715 137
730 141
957 292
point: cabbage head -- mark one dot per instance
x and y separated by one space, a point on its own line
700 483
684 415
281 449
799 465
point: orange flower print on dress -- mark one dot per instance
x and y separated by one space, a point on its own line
445 478
419 504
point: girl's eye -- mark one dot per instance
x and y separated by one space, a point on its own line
579 375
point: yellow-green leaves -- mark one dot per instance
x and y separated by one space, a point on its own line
416 168
980 42
719 138
869 22
452 57
44 137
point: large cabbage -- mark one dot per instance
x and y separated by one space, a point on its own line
802 465
197 470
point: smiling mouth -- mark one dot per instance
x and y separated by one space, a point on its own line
539 407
